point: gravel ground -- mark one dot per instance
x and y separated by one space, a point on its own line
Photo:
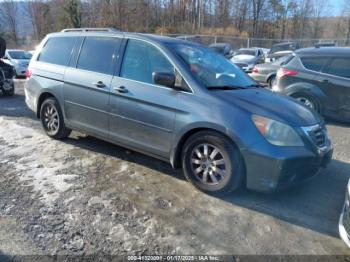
86 196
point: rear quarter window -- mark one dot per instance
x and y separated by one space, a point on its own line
57 50
314 63
339 67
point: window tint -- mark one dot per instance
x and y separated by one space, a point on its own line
314 63
141 60
98 54
339 67
57 50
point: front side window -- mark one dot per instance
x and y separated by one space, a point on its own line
141 60
314 63
339 67
209 68
57 50
98 54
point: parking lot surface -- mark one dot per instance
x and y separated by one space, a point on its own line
85 196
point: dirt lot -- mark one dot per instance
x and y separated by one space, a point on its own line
85 196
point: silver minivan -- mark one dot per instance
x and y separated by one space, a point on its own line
177 101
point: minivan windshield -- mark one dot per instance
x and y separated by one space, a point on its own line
211 69
20 55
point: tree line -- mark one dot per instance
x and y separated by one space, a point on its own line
274 19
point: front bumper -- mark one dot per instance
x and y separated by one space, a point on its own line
270 168
344 221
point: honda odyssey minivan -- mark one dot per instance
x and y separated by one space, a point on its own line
177 101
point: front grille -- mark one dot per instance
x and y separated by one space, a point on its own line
317 135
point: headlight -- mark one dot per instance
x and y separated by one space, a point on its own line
277 133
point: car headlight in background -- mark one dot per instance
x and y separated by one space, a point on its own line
277 133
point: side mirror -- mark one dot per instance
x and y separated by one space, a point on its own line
164 79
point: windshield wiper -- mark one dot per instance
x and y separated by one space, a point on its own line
255 86
225 87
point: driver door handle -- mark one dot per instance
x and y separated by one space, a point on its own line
324 81
121 89
99 84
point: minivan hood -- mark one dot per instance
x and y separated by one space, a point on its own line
268 104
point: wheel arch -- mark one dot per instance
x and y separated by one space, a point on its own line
175 156
43 96
269 76
309 89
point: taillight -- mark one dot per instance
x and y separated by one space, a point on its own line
285 72
28 73
255 69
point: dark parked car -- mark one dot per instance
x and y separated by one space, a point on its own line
6 79
281 49
7 72
319 78
344 221
247 58
266 73
223 48
177 101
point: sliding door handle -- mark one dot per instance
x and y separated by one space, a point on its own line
121 89
99 84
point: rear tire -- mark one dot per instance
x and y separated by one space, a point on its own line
212 163
271 81
52 119
308 100
9 92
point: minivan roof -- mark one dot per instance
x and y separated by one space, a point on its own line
151 37
322 51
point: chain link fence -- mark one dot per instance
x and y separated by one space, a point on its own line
244 42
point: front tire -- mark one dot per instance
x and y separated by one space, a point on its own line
52 119
212 163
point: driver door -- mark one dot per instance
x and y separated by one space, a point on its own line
143 113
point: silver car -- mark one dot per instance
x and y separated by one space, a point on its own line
19 59
177 101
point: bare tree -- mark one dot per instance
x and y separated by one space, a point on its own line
257 8
8 11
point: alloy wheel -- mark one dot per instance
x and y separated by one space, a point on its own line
51 119
208 164
307 102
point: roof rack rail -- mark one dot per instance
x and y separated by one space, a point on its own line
67 30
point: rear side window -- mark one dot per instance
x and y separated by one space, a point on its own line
339 67
314 63
57 50
98 54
